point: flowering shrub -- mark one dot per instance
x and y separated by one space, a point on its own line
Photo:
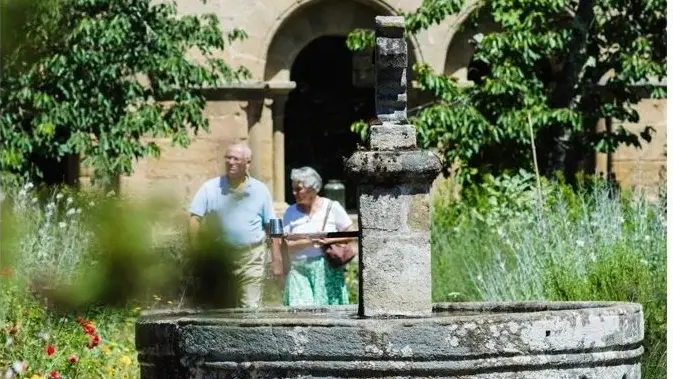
591 244
50 244
36 343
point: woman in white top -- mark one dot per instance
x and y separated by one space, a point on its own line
311 281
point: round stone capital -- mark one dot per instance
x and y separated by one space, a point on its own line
394 167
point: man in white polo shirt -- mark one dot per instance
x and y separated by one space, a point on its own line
242 207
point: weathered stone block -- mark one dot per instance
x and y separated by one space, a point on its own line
393 167
392 137
391 52
400 208
395 274
390 26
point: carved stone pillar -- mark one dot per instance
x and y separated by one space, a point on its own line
278 189
260 134
394 179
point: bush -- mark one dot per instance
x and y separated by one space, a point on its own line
593 243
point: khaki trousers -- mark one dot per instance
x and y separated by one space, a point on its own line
253 269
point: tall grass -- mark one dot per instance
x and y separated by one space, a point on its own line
500 244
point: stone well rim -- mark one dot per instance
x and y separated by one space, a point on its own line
347 315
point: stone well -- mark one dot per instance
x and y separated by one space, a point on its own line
395 331
460 340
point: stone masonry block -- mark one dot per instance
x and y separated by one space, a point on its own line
390 26
392 137
395 274
400 208
391 52
393 167
394 117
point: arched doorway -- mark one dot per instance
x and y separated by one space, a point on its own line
320 111
329 70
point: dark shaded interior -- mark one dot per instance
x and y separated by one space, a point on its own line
320 111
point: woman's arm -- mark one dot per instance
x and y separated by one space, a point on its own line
294 246
352 228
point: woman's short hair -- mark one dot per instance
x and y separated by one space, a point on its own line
308 177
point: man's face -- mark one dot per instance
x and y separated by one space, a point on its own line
236 163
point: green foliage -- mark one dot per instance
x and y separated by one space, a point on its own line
112 73
26 27
84 249
587 244
544 68
28 328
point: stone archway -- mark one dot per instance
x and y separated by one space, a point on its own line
304 24
318 114
459 60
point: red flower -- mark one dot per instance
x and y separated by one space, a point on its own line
54 374
72 359
95 340
90 330
86 325
50 350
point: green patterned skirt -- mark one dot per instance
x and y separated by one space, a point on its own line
313 282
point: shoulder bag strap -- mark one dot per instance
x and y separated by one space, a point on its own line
329 208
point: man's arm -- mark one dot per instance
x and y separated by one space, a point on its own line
197 209
276 243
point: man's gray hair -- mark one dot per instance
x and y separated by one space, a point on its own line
308 177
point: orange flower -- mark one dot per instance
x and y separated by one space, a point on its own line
54 374
72 359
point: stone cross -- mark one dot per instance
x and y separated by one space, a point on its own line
394 179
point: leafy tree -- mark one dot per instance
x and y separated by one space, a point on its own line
542 74
98 76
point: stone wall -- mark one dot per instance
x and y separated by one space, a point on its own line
278 30
179 172
640 167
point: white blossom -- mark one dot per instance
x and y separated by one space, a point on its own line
18 367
